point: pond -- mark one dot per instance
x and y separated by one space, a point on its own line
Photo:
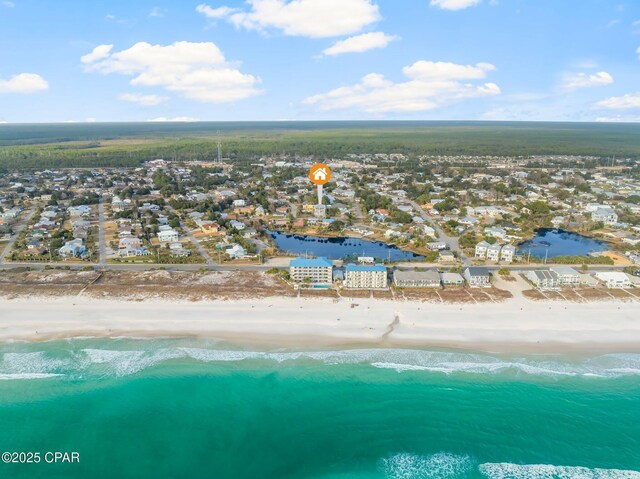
560 243
339 248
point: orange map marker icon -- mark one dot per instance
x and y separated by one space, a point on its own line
320 174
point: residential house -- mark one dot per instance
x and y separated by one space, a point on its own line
496 232
544 279
477 277
72 249
451 279
239 225
319 211
606 214
236 252
481 249
437 245
614 279
493 252
567 276
168 236
446 256
210 228
429 231
508 253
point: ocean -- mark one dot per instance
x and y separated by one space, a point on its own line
188 408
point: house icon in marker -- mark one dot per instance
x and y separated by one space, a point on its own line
319 174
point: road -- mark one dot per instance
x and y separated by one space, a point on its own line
201 249
16 232
102 247
452 243
266 266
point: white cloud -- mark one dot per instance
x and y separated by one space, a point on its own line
431 85
625 102
8 4
143 100
98 53
638 52
157 12
612 23
215 13
177 119
585 80
360 43
618 119
454 4
198 71
23 83
425 70
305 18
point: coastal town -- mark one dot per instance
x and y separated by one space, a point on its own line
384 221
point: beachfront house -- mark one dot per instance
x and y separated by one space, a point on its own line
614 279
236 252
477 277
72 249
317 272
416 279
362 276
567 276
481 249
544 279
451 279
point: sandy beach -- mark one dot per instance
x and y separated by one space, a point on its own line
516 325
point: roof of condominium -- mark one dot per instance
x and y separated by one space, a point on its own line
320 262
365 267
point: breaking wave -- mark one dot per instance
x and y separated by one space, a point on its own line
451 466
76 359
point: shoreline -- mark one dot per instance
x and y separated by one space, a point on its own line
514 326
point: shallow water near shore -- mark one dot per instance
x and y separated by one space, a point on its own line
201 408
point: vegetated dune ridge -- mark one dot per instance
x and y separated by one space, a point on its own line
256 308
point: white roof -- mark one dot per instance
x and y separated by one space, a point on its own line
611 276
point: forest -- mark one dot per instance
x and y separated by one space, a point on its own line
52 146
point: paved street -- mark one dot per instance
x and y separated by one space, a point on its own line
442 236
102 242
201 249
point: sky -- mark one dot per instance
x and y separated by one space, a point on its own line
228 60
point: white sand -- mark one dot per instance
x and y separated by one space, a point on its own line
514 325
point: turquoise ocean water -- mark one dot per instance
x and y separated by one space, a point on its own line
183 408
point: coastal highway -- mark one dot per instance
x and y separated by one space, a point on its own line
265 267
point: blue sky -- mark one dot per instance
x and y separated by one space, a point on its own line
71 60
